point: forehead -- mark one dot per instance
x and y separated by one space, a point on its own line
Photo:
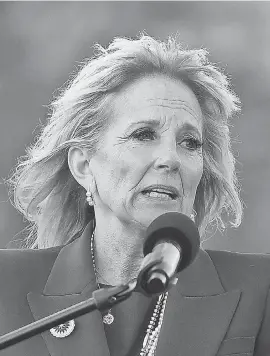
156 95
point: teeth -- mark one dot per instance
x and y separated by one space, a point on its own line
158 195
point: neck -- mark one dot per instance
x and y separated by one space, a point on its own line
118 251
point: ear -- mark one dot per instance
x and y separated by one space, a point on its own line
78 162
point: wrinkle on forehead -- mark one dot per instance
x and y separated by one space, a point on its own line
157 93
176 104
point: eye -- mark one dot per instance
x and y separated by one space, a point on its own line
144 134
193 144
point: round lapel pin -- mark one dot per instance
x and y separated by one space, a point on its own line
63 330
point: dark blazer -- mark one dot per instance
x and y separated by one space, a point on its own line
220 305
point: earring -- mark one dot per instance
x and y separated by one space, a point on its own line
192 215
89 197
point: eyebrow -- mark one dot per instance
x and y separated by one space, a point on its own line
155 123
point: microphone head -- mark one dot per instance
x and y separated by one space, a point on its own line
178 228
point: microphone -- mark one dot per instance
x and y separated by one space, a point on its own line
172 243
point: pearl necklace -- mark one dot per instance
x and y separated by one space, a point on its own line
108 318
153 329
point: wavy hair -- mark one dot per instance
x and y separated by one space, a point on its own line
45 191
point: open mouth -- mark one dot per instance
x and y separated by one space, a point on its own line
159 195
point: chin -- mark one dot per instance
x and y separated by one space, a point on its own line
145 217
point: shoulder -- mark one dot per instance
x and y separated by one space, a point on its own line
22 257
249 272
26 267
247 260
245 268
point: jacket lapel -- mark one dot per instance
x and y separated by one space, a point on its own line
72 280
198 312
197 315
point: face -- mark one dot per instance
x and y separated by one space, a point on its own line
153 143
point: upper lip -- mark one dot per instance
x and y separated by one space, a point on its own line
166 188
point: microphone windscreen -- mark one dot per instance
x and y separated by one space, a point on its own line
178 228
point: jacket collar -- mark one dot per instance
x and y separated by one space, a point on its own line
197 316
198 312
73 268
71 280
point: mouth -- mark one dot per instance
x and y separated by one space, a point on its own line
162 192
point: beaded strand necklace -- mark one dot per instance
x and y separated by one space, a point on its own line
153 329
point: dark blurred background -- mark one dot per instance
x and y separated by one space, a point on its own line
42 42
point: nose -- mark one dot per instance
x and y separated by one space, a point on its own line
167 159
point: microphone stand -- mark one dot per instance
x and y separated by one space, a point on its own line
102 299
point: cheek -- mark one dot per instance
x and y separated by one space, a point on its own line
127 164
116 172
192 174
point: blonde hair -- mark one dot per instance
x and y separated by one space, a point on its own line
44 189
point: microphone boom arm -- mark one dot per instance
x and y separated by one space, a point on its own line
102 299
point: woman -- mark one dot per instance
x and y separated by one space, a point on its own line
141 130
